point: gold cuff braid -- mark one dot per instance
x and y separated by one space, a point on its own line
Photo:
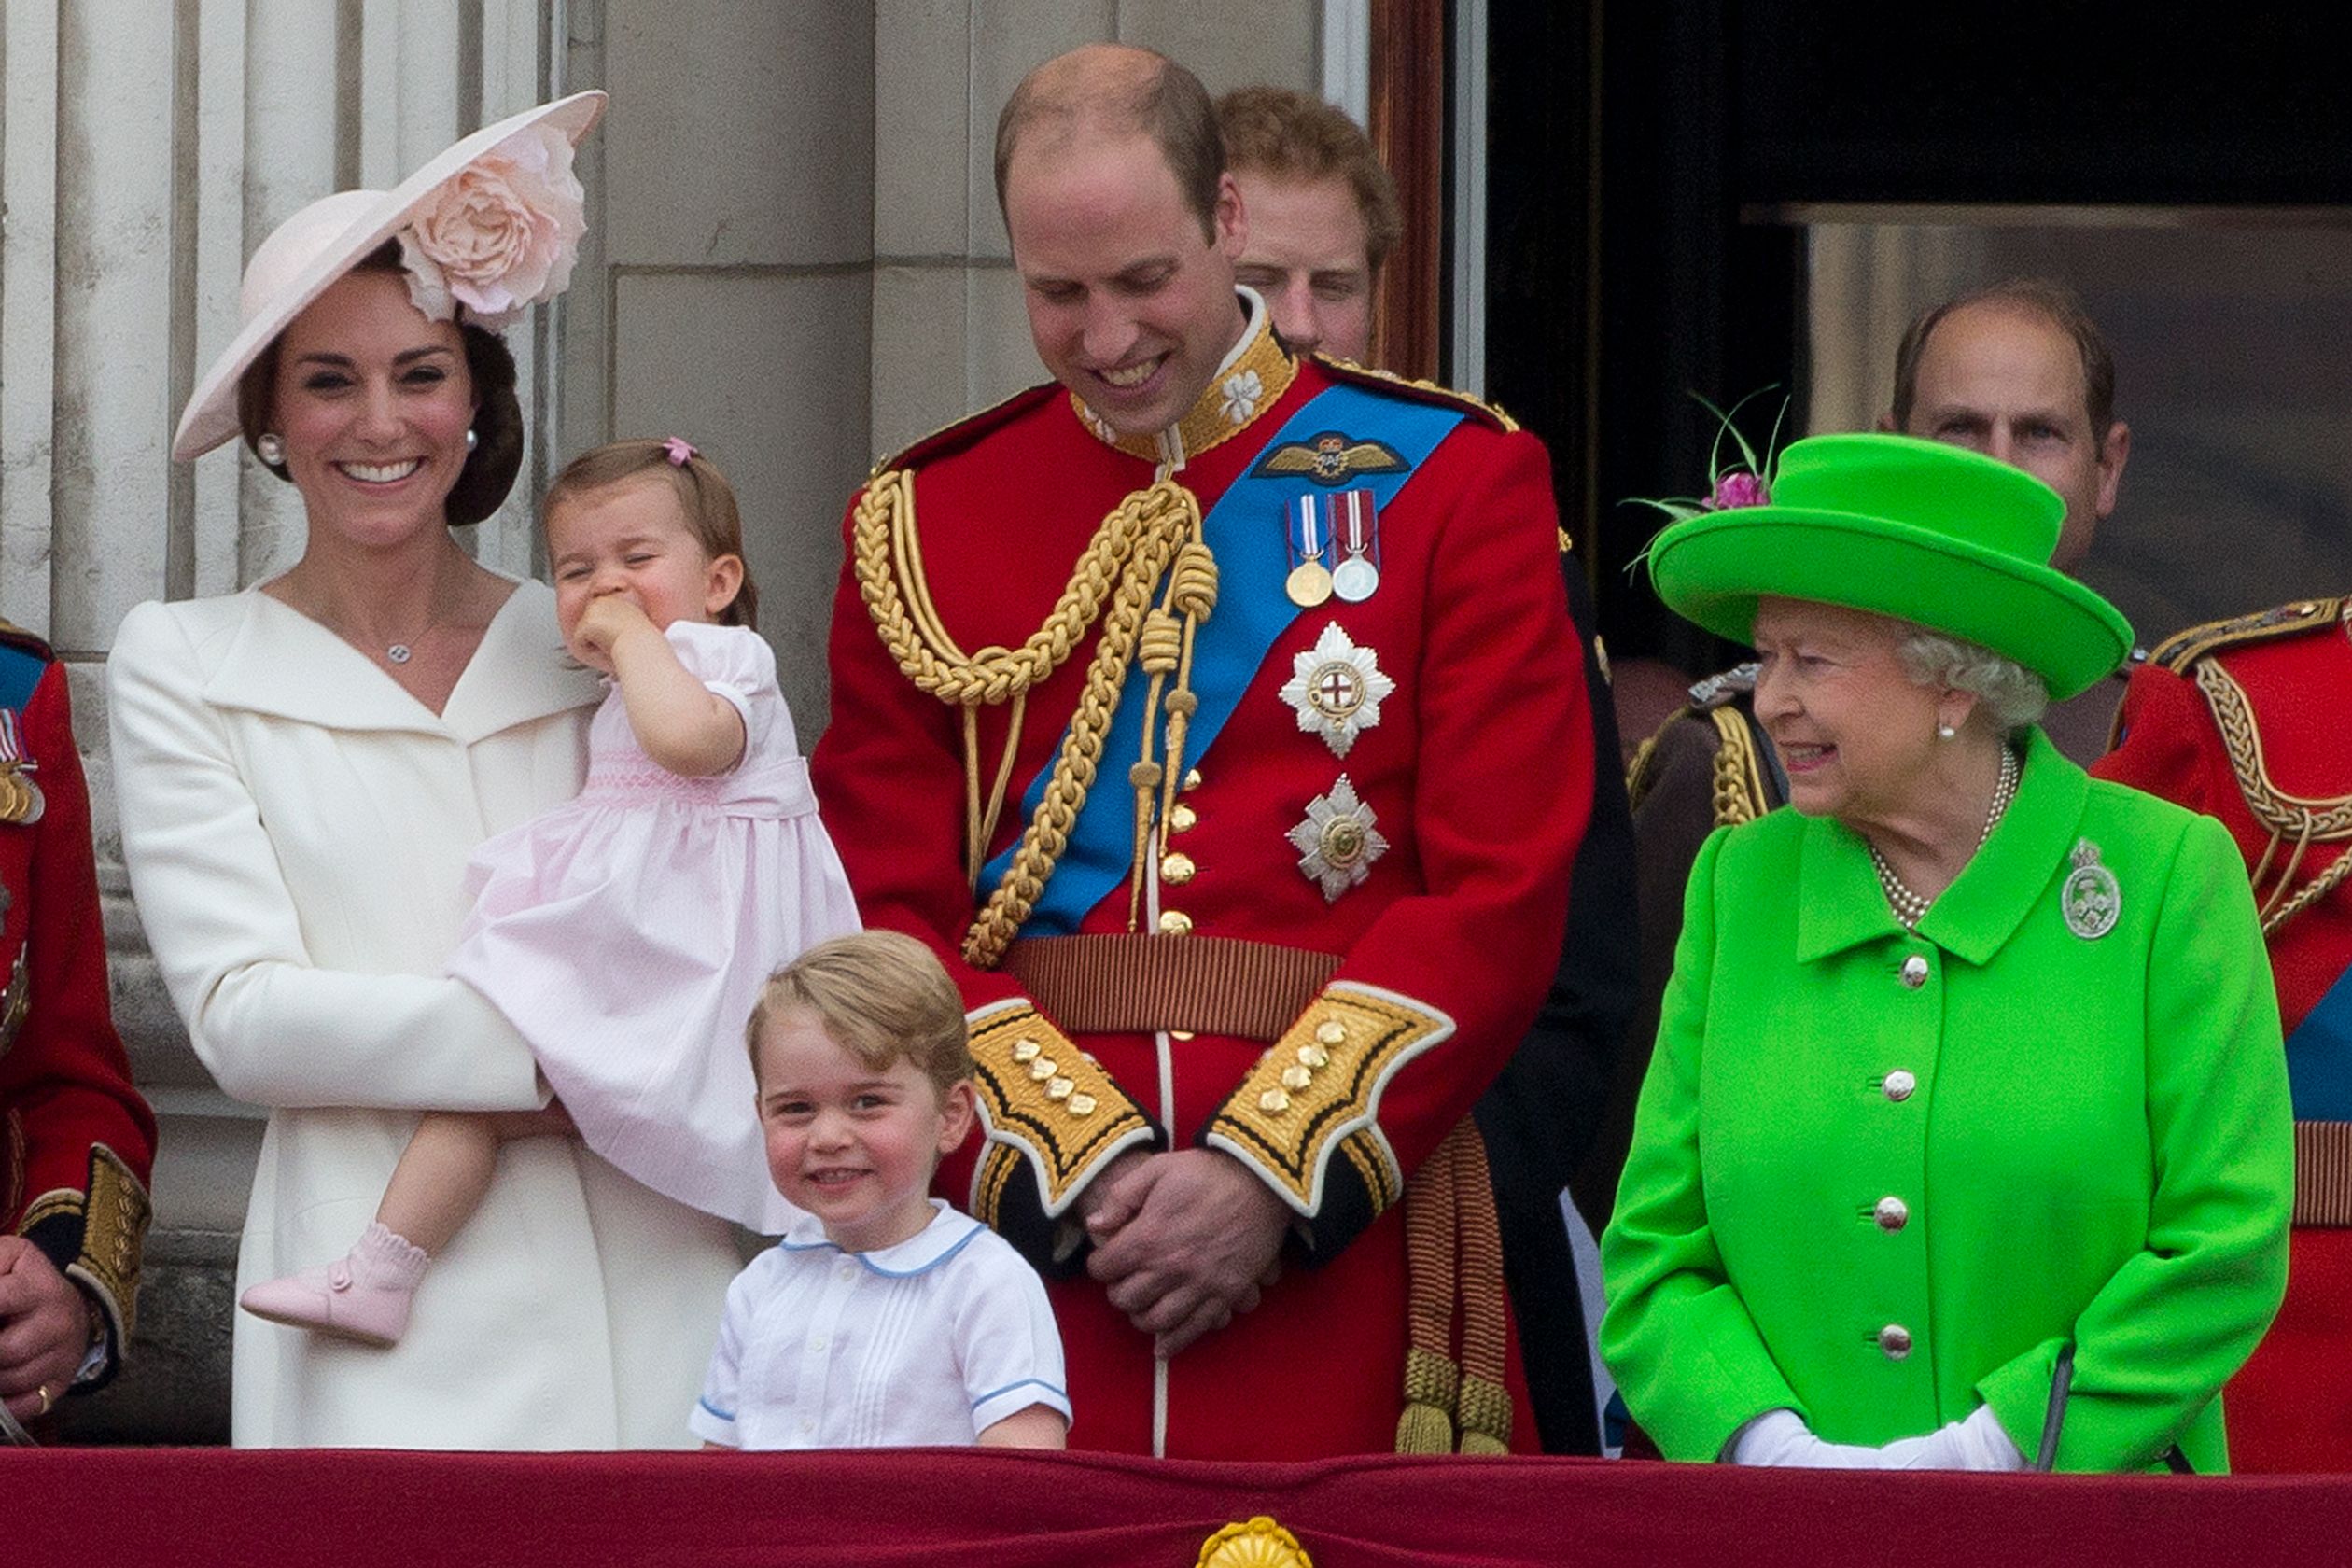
1041 1096
1320 1084
114 1215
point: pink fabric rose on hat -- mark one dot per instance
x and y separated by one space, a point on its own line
498 236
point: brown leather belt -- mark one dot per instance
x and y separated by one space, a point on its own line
1138 984
2323 1174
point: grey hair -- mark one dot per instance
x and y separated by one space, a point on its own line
2015 695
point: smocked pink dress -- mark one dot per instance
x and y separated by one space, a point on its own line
626 934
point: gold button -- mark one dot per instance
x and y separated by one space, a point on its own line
1192 778
1331 1031
1174 922
1274 1101
1060 1088
1898 1085
1176 867
1914 972
1895 1341
1080 1104
1181 818
1180 1034
1043 1069
1892 1213
1296 1077
1026 1049
1314 1056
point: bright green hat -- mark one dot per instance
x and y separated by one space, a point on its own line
1948 538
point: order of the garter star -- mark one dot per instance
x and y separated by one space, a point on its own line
1336 688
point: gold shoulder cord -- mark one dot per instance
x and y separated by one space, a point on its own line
2307 821
1151 535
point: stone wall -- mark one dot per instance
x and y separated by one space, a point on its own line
795 260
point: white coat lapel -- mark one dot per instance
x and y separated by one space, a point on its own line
280 662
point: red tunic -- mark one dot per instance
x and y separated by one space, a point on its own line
1478 775
2282 681
77 1140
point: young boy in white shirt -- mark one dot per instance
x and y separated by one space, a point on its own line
885 1317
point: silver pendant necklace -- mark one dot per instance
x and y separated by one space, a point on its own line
1910 907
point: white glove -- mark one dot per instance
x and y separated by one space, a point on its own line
1977 1443
1781 1438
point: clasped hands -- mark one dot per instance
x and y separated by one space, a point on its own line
1182 1241
44 1330
1781 1438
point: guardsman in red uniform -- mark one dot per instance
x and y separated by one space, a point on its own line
75 1138
1216 712
2244 720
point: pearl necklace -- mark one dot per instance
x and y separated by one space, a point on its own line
1910 907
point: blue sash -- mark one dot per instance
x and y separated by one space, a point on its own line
2319 1058
1244 530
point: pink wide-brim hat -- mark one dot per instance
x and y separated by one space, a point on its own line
309 251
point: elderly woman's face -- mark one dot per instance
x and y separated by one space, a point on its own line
374 401
1857 736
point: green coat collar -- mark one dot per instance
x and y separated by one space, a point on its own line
1841 905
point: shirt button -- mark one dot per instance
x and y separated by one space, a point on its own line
816 1342
1914 972
1892 1213
846 1270
1895 1341
807 1425
1898 1085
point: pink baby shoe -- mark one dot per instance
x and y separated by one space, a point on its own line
363 1296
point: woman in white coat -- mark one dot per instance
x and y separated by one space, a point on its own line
302 770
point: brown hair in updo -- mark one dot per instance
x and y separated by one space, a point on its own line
490 468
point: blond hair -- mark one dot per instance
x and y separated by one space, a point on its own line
880 995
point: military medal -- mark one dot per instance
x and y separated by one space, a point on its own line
2092 899
21 798
1309 580
1356 527
1337 841
1336 688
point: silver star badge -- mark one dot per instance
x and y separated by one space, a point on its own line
1336 842
1336 687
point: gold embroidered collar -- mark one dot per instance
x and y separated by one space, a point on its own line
1251 380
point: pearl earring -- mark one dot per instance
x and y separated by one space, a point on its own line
472 440
271 448
1945 731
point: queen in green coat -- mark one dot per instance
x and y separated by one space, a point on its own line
1965 1143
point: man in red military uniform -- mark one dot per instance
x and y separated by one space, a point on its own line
75 1138
2242 720
1217 713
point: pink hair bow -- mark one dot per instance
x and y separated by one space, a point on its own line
679 448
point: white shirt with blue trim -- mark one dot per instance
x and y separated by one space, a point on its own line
929 1342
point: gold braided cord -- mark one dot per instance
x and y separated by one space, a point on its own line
2293 819
1130 551
1483 1415
1432 1380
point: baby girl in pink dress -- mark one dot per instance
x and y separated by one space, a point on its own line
626 934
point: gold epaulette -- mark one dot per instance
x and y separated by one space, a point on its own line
964 431
16 636
1042 1097
1419 391
2182 648
1316 1092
